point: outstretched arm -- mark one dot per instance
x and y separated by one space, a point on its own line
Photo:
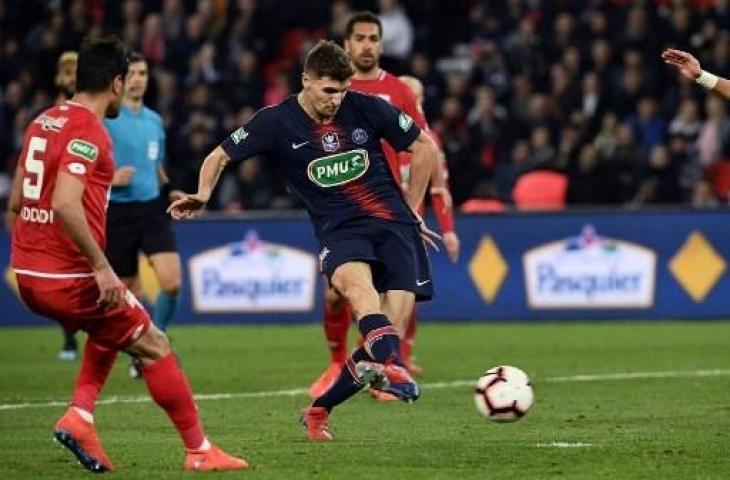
189 205
689 66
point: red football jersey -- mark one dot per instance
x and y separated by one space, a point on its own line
389 88
66 138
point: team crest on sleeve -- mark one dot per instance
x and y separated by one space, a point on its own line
239 135
405 121
77 168
359 136
330 142
81 148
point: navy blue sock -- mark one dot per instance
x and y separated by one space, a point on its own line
381 338
346 385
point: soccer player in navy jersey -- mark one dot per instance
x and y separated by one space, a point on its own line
326 143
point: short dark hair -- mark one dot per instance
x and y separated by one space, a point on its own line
327 59
136 56
365 16
101 60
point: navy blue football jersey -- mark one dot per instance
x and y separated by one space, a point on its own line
338 170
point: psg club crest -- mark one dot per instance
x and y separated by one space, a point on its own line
359 136
330 142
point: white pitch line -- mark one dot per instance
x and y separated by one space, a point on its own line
564 444
599 377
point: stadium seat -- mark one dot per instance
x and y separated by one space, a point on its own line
540 190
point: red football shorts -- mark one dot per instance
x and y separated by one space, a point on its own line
72 303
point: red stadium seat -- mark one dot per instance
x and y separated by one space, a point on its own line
540 190
720 178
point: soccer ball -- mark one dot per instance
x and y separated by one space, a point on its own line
503 394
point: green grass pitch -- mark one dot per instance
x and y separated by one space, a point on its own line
670 421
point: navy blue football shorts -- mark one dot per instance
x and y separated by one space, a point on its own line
395 252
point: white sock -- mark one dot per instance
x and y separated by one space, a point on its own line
205 446
88 416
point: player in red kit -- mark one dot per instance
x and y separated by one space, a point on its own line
363 44
60 197
443 209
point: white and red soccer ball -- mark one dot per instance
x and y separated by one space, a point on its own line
503 394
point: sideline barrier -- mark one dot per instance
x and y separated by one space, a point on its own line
531 266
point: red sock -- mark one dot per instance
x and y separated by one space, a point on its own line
170 390
406 346
336 324
96 364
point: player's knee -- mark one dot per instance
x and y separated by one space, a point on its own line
151 347
171 286
364 299
335 302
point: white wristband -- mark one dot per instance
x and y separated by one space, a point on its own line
707 80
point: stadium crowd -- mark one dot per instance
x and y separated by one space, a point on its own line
511 86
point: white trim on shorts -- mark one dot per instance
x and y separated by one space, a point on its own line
33 273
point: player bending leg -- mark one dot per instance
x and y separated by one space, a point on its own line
57 253
363 43
326 143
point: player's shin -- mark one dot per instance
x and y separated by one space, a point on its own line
96 364
164 310
346 385
381 338
170 389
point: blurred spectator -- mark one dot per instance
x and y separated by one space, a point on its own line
153 40
586 184
434 84
278 90
509 84
397 30
660 179
702 196
649 127
713 141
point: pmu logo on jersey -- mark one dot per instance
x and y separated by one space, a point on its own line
330 142
590 271
253 276
82 148
338 169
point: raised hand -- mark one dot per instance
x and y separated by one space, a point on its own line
687 65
